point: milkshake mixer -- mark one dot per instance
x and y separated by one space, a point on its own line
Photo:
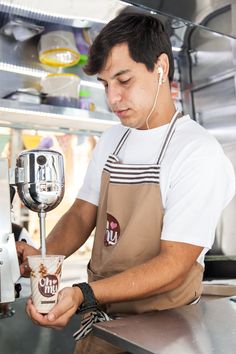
39 178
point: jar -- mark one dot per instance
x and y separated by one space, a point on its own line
61 85
61 89
58 48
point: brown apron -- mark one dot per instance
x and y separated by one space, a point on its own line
128 231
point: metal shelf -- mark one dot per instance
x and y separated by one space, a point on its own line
40 117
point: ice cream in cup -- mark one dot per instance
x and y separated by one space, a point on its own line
45 279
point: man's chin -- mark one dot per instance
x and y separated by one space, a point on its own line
127 122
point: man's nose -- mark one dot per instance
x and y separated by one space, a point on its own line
113 95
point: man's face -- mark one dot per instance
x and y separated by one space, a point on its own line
130 88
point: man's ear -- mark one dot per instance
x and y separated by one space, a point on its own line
163 62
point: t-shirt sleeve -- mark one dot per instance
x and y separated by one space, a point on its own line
202 187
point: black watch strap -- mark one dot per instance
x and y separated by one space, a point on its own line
89 303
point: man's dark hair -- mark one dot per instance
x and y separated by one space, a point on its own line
145 36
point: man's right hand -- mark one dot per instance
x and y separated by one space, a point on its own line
23 251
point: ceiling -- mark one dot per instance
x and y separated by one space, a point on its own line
102 10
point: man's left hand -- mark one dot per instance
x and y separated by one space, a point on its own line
69 299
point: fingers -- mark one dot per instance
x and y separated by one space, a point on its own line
65 305
25 269
61 313
23 251
21 248
38 318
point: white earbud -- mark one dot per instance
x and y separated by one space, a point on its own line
160 73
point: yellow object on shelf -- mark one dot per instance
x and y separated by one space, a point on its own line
31 141
58 48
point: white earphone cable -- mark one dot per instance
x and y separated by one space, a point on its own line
154 105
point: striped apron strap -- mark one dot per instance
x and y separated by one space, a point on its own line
169 134
87 322
121 142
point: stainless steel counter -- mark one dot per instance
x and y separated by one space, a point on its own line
205 328
19 335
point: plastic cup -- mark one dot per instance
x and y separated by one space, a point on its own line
45 279
61 85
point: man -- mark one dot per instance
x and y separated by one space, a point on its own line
155 188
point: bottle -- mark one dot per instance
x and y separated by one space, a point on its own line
85 101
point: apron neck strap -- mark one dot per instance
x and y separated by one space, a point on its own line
167 139
121 142
168 136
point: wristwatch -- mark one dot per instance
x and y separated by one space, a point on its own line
90 303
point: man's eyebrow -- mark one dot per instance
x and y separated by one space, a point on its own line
121 72
100 79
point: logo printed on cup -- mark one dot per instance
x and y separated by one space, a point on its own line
48 285
45 280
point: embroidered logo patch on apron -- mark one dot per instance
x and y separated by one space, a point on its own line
112 233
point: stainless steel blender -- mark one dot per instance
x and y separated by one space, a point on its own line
39 177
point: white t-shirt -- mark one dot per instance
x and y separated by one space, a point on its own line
196 180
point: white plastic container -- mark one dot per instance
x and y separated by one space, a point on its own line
61 85
58 48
